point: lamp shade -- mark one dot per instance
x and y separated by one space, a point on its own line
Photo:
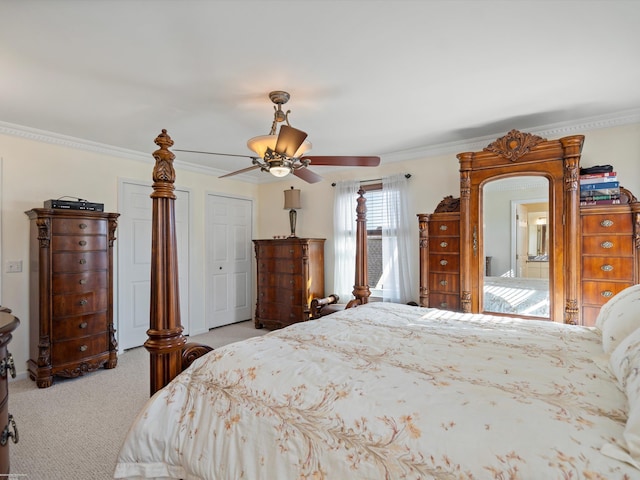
292 199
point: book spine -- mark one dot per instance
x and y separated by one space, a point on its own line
598 186
611 201
590 181
598 175
615 196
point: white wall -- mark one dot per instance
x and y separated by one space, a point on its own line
34 171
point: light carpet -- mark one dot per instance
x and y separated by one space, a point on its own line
73 430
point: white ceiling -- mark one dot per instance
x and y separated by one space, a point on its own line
388 78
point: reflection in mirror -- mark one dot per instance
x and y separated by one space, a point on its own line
516 246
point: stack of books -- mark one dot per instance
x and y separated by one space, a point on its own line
599 189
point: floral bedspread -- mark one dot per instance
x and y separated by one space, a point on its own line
387 391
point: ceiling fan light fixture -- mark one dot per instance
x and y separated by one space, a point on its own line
280 171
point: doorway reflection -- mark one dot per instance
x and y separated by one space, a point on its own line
516 246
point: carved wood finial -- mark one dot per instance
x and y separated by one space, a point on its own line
514 145
164 174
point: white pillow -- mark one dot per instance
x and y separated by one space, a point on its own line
624 356
619 317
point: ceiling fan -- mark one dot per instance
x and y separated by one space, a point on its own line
284 153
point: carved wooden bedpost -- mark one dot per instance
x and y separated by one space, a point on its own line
169 351
165 340
361 288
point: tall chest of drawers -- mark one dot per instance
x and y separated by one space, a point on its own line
610 243
440 255
290 274
71 293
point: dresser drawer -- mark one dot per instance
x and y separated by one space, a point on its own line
79 262
284 251
79 226
279 295
280 265
79 303
282 280
444 263
603 224
80 326
444 244
607 245
599 293
444 302
444 283
79 348
444 227
79 282
282 312
79 243
607 268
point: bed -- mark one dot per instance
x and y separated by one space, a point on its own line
517 296
389 391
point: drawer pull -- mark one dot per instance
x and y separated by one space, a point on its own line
443 262
443 227
606 293
443 305
83 302
606 268
606 223
444 244
7 365
443 283
83 325
82 226
82 281
606 244
83 348
82 243
8 433
82 261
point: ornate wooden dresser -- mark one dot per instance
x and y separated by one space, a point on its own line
71 293
290 274
440 256
8 323
595 250
610 242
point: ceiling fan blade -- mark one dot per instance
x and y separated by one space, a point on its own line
344 161
214 153
289 140
248 169
307 175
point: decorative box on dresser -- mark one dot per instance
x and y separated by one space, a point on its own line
71 293
440 255
290 274
8 323
610 252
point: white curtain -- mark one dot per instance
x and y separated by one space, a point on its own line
344 231
396 240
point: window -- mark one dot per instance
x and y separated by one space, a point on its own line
375 221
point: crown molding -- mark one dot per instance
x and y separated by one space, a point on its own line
101 148
555 130
626 117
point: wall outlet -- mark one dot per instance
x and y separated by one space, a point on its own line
14 266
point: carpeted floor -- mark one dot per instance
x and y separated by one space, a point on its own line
73 430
